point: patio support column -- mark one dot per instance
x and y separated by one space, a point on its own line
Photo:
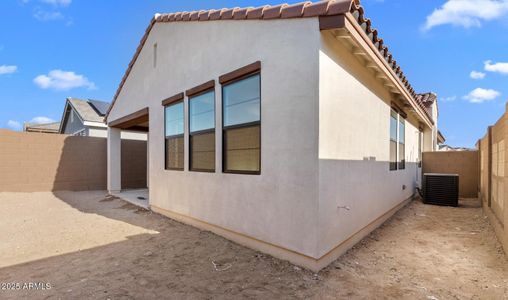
148 159
114 160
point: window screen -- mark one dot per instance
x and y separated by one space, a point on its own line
202 132
174 145
241 102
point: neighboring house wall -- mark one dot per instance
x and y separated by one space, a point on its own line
354 134
33 162
435 130
279 206
97 132
73 124
463 163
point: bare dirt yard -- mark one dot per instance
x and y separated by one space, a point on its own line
87 246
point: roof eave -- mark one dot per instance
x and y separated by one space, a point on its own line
440 137
63 119
284 11
347 15
376 62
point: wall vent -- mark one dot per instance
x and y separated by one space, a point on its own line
441 189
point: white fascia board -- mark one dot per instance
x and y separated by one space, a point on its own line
94 124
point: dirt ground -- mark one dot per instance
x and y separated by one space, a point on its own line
86 246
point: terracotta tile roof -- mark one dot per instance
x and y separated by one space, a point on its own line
426 100
282 11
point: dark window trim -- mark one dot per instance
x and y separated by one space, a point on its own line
172 136
249 124
243 125
398 110
241 72
200 89
204 131
172 99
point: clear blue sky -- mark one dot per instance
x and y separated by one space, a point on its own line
52 49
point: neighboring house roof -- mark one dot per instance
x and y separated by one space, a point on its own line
427 99
87 110
282 11
43 128
440 137
100 107
450 148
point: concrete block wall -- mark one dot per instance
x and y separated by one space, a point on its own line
134 164
31 162
494 178
464 163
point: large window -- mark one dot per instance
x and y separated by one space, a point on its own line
174 149
397 141
202 132
241 102
393 140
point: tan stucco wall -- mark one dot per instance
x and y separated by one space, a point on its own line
464 163
32 162
280 205
354 131
325 136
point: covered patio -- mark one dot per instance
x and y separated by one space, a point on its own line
139 122
138 197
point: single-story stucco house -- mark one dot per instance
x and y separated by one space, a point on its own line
290 129
85 117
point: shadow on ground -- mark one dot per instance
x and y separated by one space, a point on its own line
423 251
